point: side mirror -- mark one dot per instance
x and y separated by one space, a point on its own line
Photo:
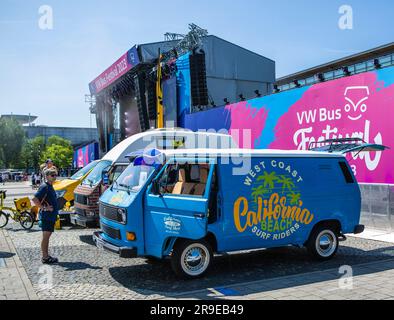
105 178
156 188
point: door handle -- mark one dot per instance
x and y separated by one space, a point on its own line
200 216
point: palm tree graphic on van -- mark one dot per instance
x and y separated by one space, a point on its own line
268 179
260 191
272 181
294 198
287 183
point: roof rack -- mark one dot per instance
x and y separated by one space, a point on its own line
331 143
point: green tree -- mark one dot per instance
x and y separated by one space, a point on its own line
12 137
32 151
56 140
61 155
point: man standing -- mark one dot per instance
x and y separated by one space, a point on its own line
46 200
47 165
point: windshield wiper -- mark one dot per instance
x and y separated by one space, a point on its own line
129 188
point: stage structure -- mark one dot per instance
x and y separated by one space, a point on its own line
156 85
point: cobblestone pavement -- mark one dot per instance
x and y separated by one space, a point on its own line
14 283
85 272
371 281
88 273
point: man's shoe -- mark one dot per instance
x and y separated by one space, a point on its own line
49 260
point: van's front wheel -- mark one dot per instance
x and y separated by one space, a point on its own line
191 259
323 243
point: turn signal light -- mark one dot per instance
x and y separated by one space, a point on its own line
130 236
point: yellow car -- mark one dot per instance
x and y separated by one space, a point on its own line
65 188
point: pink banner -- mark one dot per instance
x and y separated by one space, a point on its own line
360 106
356 107
114 72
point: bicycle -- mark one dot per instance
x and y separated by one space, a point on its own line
18 214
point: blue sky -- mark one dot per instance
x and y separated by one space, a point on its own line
47 73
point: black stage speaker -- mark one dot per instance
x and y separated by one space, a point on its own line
198 77
151 97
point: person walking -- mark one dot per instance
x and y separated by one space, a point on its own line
33 180
45 199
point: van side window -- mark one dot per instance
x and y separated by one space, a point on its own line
185 179
346 172
168 179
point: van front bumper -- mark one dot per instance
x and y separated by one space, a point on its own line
79 220
123 252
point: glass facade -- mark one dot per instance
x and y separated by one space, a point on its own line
359 67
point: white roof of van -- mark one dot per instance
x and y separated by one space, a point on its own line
120 151
252 153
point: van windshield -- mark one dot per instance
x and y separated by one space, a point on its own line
84 171
134 177
95 176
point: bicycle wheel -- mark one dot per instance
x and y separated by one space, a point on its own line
26 220
3 219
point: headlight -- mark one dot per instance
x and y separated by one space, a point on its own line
90 214
123 214
60 193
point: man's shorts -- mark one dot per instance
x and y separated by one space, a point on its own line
47 225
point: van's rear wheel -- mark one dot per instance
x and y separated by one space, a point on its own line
191 259
323 243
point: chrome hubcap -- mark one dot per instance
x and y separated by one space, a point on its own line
195 259
326 243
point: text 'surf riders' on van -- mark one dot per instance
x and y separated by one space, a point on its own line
115 162
199 202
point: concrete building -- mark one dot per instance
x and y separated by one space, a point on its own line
376 58
77 136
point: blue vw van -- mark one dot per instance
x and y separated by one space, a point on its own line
190 204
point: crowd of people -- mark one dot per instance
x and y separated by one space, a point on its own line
13 176
37 177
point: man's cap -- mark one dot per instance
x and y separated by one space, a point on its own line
50 171
49 160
